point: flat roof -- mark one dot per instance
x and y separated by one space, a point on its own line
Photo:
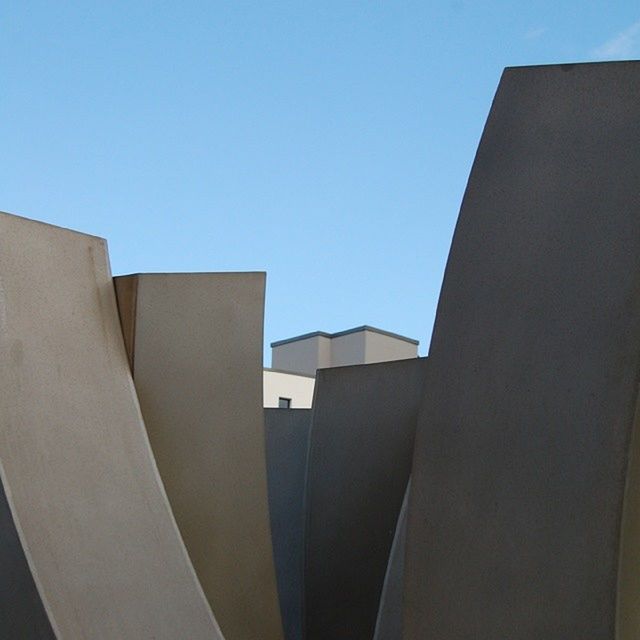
324 334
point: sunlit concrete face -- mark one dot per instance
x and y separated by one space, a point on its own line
522 452
287 441
363 426
195 344
85 497
294 389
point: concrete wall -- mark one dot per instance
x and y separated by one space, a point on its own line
287 441
278 384
348 349
382 348
22 613
80 479
389 623
362 345
197 362
521 459
361 443
303 356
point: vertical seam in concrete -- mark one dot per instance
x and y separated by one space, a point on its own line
399 540
260 375
306 511
627 618
126 289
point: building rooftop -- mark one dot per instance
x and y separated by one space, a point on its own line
364 327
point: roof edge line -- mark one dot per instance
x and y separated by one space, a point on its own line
364 327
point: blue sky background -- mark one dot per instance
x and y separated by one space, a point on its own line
327 143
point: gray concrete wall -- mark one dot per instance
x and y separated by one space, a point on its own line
287 441
389 623
22 613
197 362
78 472
522 451
361 442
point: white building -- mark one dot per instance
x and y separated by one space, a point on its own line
290 381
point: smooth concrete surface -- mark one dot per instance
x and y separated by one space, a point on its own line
381 348
361 443
523 448
293 386
304 355
77 468
349 349
390 612
287 441
22 614
197 365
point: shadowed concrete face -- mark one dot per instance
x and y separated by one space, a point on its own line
84 493
196 349
389 622
22 613
363 425
523 446
287 439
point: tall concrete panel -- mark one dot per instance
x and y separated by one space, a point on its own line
361 443
389 623
522 454
79 476
195 343
287 442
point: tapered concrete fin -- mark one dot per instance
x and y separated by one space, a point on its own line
127 298
197 353
361 443
389 623
522 450
22 613
287 443
94 522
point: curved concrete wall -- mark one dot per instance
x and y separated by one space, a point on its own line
390 612
287 442
363 426
196 346
523 446
92 516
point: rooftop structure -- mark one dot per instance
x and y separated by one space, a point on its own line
289 384
361 345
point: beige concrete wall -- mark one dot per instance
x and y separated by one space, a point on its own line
303 356
75 460
363 345
197 362
348 349
278 384
324 353
382 348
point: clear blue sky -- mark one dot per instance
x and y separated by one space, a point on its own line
327 143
